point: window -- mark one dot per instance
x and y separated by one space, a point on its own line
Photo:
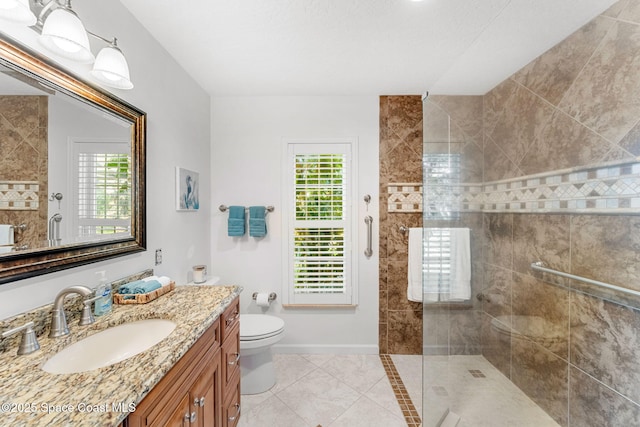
102 193
319 224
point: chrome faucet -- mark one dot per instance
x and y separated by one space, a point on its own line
59 326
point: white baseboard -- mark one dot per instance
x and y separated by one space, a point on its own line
325 349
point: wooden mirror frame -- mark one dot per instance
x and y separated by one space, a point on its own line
20 265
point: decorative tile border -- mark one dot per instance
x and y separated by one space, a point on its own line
19 195
612 188
411 415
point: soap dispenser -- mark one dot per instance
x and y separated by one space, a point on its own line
103 304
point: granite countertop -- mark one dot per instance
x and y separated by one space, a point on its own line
30 396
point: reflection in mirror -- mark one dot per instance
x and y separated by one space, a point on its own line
71 188
66 168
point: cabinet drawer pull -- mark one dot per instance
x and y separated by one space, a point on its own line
232 419
193 417
232 319
234 361
198 402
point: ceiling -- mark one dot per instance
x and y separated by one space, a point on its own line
358 47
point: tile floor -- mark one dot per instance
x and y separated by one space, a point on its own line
353 391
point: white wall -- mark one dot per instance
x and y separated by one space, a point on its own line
246 158
178 134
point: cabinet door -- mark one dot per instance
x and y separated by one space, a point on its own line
230 356
179 418
231 407
205 394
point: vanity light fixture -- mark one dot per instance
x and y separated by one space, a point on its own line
17 11
62 32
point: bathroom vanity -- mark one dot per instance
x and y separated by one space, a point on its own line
192 373
203 388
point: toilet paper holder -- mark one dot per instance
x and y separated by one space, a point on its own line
272 296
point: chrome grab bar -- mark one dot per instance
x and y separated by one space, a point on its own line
539 266
369 221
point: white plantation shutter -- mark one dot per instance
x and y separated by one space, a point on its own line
102 199
319 226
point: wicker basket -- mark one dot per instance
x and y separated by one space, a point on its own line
143 298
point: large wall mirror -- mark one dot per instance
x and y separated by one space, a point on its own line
72 169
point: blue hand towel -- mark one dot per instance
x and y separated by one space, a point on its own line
235 225
139 287
257 223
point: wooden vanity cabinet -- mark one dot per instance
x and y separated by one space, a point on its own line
230 361
203 387
190 393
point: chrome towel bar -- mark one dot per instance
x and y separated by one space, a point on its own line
224 208
539 266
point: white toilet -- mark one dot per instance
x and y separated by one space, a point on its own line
258 332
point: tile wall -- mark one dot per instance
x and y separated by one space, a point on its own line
400 328
574 349
24 165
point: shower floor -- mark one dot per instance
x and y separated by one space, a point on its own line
472 388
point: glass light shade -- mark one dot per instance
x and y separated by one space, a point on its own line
17 11
111 68
64 34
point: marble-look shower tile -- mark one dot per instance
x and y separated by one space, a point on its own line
605 248
403 164
388 141
630 11
405 332
496 345
404 115
397 241
9 138
553 72
631 141
383 306
383 340
464 111
542 376
22 112
525 116
494 103
397 288
605 343
436 124
541 238
555 146
541 313
22 164
603 96
441 318
472 165
497 291
465 332
592 404
498 238
497 165
616 8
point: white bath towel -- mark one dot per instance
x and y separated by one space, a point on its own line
460 279
414 265
439 265
6 234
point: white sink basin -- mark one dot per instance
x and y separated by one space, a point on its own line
109 346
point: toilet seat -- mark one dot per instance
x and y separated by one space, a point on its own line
255 327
